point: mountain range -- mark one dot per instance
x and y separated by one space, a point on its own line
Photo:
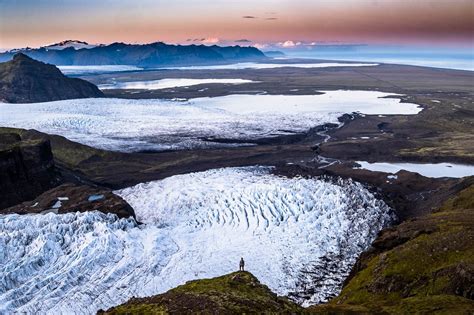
147 55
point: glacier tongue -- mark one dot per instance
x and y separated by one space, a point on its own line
196 225
157 124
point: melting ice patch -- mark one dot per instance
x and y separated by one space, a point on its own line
435 170
169 83
135 125
196 225
257 65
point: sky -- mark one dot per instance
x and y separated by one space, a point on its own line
262 23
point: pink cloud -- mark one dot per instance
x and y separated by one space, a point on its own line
211 40
260 46
289 44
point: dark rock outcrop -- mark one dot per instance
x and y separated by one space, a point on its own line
72 198
25 80
26 169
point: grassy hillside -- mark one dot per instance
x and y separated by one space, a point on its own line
235 293
422 266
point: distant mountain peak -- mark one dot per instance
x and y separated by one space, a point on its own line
69 43
21 56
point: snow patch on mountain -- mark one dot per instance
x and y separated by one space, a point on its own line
76 44
197 225
135 125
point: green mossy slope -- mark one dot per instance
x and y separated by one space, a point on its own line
422 266
235 293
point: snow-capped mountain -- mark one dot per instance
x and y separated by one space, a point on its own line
76 44
197 225
16 50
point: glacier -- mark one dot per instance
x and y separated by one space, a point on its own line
195 225
137 125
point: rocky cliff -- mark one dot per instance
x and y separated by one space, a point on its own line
26 168
25 80
31 182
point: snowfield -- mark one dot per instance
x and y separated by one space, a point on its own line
136 125
197 225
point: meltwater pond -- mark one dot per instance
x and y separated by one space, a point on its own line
135 125
435 170
96 69
196 226
168 83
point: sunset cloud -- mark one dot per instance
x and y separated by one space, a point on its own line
261 46
211 40
289 44
203 40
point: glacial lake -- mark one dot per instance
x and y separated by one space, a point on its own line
169 83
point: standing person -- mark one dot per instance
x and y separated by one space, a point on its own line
241 264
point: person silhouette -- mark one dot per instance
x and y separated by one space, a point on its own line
241 264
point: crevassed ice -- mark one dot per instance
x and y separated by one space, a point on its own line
169 83
196 226
135 125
